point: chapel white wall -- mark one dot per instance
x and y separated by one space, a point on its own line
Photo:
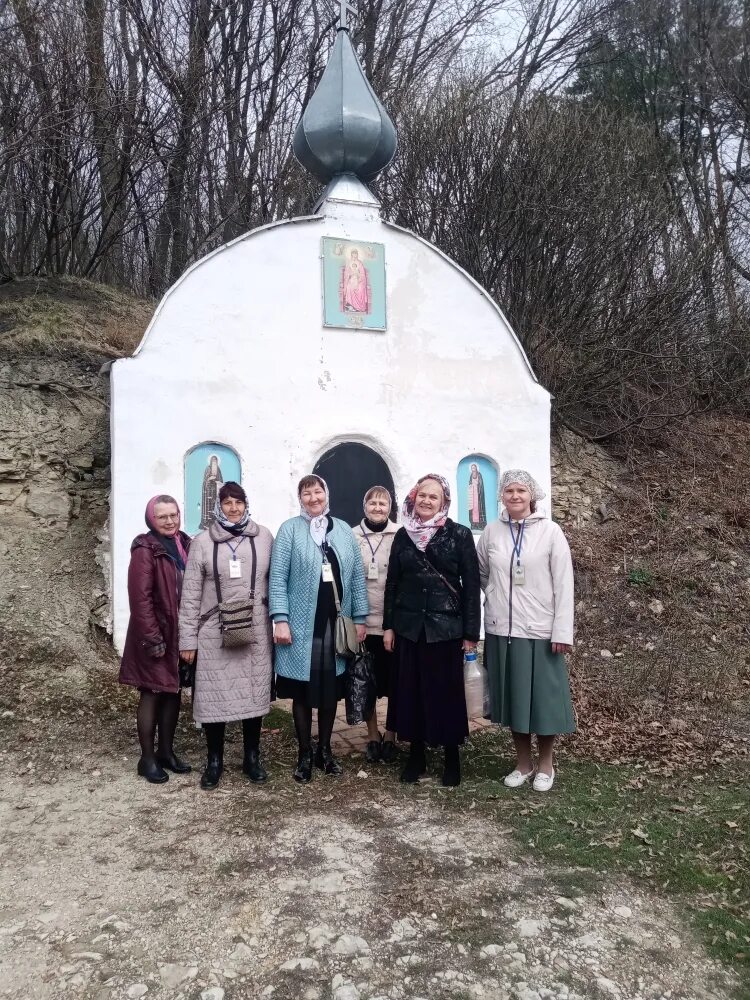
237 354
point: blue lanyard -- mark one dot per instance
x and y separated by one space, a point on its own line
517 542
235 547
374 551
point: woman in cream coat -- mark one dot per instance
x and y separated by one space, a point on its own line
527 576
375 534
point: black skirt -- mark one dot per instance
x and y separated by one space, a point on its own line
430 703
385 672
324 689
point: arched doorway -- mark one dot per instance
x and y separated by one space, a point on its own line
350 469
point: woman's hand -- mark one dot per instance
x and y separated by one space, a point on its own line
282 634
561 647
469 646
158 650
188 655
361 633
389 640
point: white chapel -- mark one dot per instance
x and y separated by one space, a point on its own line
335 342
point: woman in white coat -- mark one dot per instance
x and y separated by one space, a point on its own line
527 576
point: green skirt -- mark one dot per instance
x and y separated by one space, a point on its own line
529 687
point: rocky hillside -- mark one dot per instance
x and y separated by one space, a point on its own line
661 542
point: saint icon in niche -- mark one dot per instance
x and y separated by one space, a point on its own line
354 288
212 480
476 499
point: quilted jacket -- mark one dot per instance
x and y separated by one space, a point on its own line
230 684
154 594
295 575
415 596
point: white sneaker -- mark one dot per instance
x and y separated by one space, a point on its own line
517 778
543 782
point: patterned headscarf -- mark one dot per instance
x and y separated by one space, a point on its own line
319 524
420 531
231 489
523 478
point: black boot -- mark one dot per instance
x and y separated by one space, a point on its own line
215 745
303 771
251 765
416 765
452 768
326 762
152 771
173 763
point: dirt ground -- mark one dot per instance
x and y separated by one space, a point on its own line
349 888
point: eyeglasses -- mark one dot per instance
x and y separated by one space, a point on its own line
167 517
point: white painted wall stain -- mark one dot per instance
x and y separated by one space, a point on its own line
237 353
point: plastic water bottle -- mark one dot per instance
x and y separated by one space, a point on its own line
473 685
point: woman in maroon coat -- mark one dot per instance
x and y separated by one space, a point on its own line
150 661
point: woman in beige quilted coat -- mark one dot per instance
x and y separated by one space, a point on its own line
230 684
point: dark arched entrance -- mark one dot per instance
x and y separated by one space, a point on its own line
350 469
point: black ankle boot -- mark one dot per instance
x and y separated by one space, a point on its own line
213 772
215 746
152 771
252 767
171 762
452 768
416 765
303 771
326 762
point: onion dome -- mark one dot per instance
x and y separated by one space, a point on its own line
344 129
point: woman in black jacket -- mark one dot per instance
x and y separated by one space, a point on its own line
431 616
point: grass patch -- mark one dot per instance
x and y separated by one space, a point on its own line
687 835
53 315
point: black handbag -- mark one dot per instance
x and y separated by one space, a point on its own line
186 673
360 687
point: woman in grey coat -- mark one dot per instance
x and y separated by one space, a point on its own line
231 684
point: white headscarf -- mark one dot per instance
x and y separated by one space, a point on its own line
523 478
319 524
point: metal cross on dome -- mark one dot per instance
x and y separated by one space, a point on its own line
346 7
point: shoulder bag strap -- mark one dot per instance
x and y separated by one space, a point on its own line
438 573
216 572
254 568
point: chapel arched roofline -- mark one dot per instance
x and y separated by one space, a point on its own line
209 256
472 281
300 219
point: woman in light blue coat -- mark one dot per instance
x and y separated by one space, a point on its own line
313 554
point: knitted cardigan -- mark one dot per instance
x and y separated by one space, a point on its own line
293 589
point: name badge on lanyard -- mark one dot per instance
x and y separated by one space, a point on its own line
518 572
327 573
235 569
372 571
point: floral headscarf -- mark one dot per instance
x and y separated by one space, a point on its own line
524 478
420 531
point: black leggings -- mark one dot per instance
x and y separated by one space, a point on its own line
302 715
157 711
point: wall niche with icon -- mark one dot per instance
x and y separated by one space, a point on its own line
207 467
477 482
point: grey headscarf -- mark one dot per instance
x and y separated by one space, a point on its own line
525 479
